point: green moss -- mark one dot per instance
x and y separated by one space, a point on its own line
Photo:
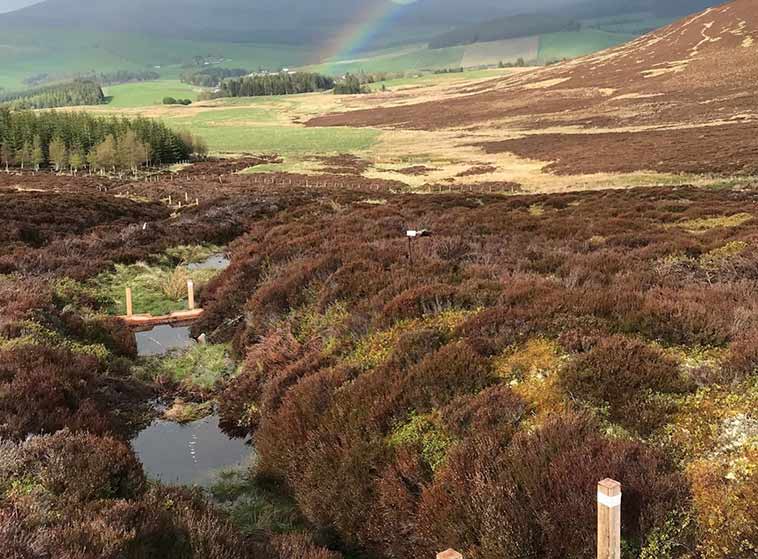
33 334
255 506
718 256
199 367
308 321
704 224
375 349
70 292
426 432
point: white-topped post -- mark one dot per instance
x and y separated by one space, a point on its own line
449 554
609 519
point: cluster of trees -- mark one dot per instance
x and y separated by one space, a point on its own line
211 77
520 63
69 94
78 140
458 70
103 78
510 27
173 101
284 83
350 85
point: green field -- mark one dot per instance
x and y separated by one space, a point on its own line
556 46
26 52
144 94
284 140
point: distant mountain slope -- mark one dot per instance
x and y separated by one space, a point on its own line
507 27
299 21
287 21
693 83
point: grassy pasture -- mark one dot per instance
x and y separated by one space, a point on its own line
145 94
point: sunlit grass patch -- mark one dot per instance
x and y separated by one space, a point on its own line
531 371
155 290
376 348
704 224
34 334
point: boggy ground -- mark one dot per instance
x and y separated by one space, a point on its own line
467 394
471 393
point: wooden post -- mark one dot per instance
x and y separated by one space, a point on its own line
129 306
609 519
449 554
191 294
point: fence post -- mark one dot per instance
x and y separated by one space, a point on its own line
609 519
191 294
449 554
129 307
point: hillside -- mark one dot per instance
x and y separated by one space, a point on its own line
71 37
666 101
508 27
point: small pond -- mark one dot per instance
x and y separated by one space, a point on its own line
162 339
190 454
213 262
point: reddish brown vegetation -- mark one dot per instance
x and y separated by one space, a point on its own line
728 149
478 170
343 164
82 496
370 378
694 78
214 167
590 271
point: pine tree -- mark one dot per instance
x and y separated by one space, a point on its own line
24 154
58 153
8 155
37 155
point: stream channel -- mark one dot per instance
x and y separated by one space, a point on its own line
192 453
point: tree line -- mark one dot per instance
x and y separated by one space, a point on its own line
74 93
103 78
75 141
211 77
275 84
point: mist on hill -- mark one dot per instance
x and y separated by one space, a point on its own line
303 21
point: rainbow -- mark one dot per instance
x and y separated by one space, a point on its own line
367 24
